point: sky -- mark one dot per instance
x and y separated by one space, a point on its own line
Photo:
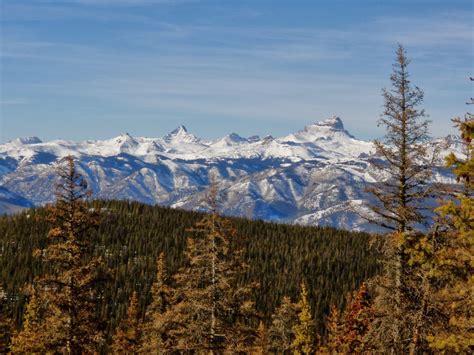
92 69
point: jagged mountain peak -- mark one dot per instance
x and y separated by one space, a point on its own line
124 136
181 130
331 129
27 140
181 134
235 138
327 128
333 122
306 177
124 139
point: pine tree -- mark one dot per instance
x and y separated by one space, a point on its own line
281 331
154 339
393 303
69 288
432 304
401 196
128 336
211 312
304 342
404 154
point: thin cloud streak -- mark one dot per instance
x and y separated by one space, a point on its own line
268 73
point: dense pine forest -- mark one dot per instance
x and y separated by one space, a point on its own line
131 236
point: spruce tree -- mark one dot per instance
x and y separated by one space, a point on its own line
69 288
400 198
38 334
426 305
358 321
403 156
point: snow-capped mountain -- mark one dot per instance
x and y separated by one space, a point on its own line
315 176
11 202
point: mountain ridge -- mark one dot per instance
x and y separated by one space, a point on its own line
310 177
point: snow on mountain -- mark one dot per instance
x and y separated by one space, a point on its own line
330 135
230 140
26 140
11 202
315 176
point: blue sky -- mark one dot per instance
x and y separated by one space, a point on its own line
91 69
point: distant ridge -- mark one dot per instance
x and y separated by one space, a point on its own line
314 176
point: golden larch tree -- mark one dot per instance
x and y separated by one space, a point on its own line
127 338
281 330
304 342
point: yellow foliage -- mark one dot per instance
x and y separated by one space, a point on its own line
304 330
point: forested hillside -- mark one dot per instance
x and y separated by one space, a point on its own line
83 276
132 235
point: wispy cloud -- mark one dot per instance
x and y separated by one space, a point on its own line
57 11
119 2
272 73
448 29
13 101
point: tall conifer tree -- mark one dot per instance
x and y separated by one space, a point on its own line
430 308
68 289
401 196
157 322
211 311
403 154
451 265
128 336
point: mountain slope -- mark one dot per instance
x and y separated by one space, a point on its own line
11 202
314 176
132 235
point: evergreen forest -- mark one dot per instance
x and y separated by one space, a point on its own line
131 236
84 276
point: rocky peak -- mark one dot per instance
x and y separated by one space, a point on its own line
27 140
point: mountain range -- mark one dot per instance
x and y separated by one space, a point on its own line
316 176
